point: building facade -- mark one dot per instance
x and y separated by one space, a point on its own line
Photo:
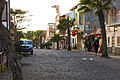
50 33
113 29
87 24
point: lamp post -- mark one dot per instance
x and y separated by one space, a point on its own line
9 23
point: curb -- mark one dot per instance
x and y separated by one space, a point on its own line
115 57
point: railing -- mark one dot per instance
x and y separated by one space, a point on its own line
1 62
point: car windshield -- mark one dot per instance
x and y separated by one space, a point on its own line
25 42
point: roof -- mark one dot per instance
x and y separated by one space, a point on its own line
25 40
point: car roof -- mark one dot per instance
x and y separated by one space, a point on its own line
25 40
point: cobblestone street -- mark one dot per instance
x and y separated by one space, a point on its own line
66 65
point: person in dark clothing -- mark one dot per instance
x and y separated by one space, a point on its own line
96 45
85 45
89 46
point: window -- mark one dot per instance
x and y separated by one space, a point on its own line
25 42
118 41
108 41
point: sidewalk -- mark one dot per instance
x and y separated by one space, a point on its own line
99 54
93 53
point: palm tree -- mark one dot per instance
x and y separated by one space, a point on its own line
8 48
20 35
29 35
38 35
19 14
19 17
65 24
56 38
98 7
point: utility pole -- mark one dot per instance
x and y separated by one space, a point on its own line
9 22
9 18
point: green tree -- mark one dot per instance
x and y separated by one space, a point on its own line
66 24
39 33
38 36
56 38
8 48
29 35
20 35
98 7
19 15
47 45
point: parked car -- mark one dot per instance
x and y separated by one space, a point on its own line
26 46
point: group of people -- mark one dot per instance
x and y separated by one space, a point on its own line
91 44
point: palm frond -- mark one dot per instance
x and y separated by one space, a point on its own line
107 3
84 9
65 23
84 2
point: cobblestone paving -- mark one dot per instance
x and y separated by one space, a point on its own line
66 65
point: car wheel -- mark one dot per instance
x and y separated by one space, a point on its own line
31 52
19 52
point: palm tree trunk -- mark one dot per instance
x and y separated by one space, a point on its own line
8 48
64 44
10 53
57 45
103 32
69 40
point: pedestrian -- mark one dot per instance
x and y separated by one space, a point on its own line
89 46
85 45
93 47
96 43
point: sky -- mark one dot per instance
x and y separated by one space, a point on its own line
42 11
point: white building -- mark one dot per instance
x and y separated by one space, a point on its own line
113 29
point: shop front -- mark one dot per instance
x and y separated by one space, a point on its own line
89 42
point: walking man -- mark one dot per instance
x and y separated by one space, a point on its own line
96 44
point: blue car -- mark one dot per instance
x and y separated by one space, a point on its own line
26 46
